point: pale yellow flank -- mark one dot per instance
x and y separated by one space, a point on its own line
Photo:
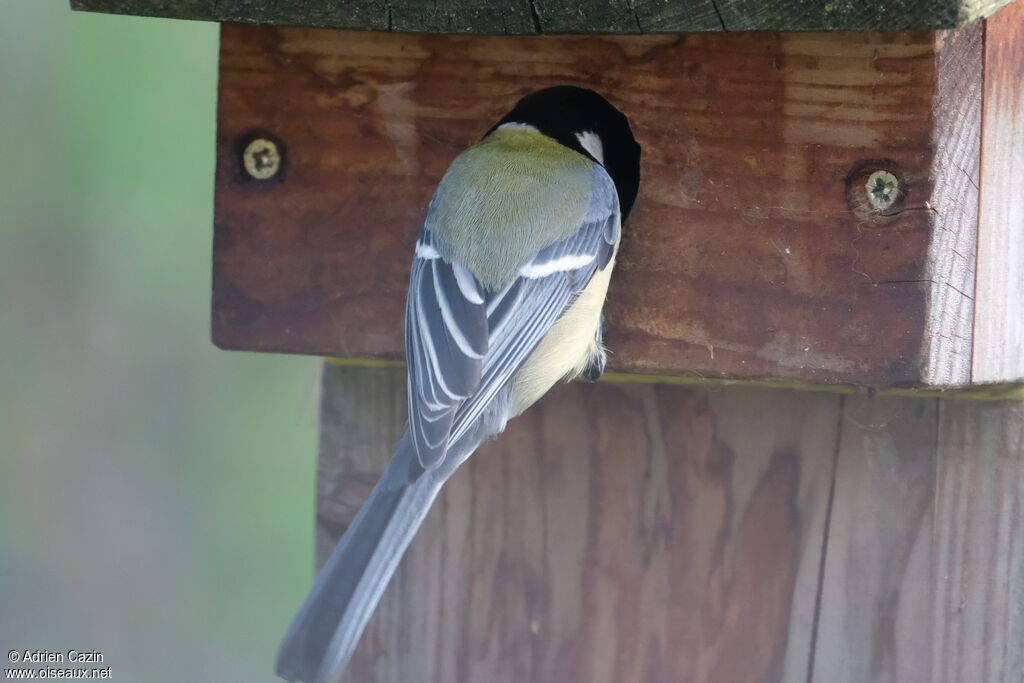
567 348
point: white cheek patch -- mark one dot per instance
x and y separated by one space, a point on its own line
591 142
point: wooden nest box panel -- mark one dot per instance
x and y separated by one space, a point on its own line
813 206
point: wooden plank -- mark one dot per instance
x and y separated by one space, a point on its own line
849 15
875 621
615 532
523 17
956 113
362 413
609 535
751 253
978 553
999 313
924 568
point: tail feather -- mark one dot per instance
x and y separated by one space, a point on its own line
325 632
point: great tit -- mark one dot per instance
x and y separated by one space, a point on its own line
508 281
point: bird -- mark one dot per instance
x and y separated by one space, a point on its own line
509 277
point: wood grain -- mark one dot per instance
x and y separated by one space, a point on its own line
875 622
518 17
615 532
653 533
950 271
750 253
999 312
850 15
978 545
924 569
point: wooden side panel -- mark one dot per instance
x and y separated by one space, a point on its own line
875 623
362 414
636 532
999 312
978 553
950 273
613 533
924 569
750 252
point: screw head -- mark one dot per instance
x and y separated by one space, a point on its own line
261 159
883 189
876 189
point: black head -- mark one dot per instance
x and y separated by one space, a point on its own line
568 114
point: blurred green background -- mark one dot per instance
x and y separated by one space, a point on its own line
156 494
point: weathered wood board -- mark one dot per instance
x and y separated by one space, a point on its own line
613 533
752 251
924 568
876 621
978 543
523 17
624 532
999 320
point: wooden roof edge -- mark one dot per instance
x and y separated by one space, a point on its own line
532 17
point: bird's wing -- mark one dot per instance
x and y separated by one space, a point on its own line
446 338
463 344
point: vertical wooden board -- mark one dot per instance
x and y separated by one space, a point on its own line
365 411
613 533
875 618
950 272
999 311
924 563
979 543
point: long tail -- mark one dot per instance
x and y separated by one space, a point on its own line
325 632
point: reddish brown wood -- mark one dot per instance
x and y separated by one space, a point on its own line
999 319
750 252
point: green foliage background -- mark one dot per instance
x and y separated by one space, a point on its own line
156 494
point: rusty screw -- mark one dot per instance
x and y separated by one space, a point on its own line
261 159
883 190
